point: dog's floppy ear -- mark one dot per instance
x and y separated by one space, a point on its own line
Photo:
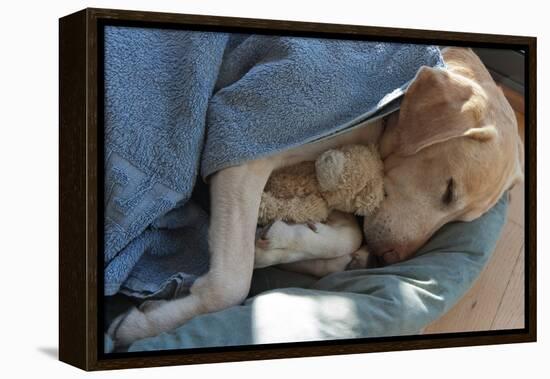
439 106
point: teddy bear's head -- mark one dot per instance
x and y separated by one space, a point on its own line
351 178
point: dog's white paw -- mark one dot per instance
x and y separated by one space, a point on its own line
274 235
279 242
281 235
135 324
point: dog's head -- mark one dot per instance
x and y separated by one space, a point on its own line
449 154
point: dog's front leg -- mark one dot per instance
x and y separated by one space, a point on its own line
235 198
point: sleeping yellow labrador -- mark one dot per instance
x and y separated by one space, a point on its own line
449 154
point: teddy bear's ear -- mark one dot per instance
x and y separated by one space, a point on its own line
329 168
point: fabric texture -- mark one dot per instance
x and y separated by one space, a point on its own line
183 104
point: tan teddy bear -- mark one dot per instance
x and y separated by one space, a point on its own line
348 179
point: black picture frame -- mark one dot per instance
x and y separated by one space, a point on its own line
81 188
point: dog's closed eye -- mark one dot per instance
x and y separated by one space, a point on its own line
449 195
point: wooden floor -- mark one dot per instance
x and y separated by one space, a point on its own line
496 301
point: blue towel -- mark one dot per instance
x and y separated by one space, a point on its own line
179 104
